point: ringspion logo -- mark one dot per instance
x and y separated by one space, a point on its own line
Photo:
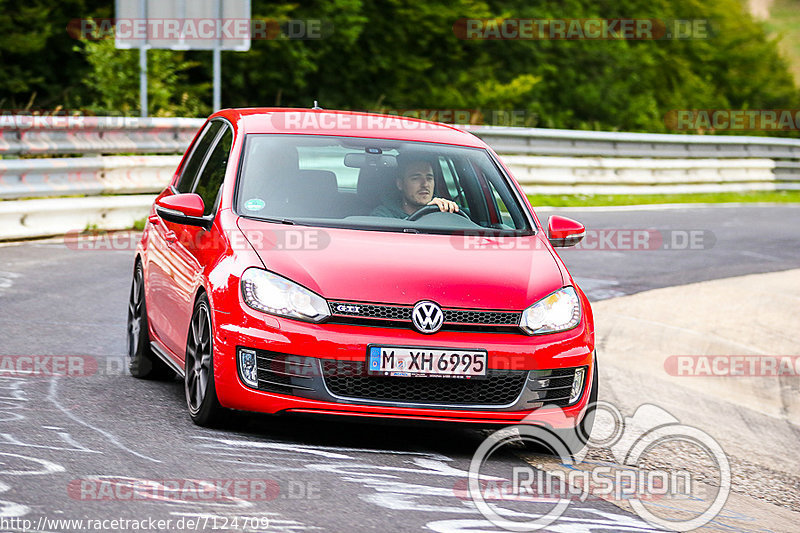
635 442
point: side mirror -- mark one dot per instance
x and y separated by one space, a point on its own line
563 232
186 208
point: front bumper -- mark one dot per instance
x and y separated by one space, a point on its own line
309 351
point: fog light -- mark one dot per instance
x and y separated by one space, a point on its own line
577 385
248 369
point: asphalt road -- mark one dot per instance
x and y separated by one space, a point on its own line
81 447
633 250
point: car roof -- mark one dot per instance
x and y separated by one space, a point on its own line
345 123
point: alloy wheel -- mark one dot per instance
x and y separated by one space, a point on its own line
198 358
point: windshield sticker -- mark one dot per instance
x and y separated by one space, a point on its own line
254 204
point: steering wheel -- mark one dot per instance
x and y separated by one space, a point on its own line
430 209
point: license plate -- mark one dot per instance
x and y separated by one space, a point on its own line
409 361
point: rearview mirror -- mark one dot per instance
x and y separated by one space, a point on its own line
186 208
370 160
564 232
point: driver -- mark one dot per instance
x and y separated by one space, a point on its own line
415 183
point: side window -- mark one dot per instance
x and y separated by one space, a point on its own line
507 220
213 173
192 165
451 180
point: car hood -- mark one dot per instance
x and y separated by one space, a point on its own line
375 266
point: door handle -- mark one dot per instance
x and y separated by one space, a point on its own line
153 219
170 237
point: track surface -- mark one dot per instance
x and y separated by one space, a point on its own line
58 432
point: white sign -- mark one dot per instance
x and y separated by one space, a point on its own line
185 24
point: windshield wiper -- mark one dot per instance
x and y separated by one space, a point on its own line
286 221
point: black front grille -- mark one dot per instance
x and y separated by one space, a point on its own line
379 312
295 375
349 379
283 373
550 386
494 318
400 316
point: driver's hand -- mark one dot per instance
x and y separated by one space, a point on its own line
447 206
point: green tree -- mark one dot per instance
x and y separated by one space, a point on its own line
112 84
40 68
401 54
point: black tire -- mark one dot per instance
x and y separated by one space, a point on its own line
142 362
201 392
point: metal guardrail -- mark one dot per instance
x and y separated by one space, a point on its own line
24 219
567 162
21 135
32 135
538 141
544 161
68 176
595 175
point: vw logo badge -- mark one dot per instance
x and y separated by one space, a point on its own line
427 317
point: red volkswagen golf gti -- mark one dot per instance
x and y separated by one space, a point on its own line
337 263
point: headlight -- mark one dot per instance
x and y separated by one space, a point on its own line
558 311
270 293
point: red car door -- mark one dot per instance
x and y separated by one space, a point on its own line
171 270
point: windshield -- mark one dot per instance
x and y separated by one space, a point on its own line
375 184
